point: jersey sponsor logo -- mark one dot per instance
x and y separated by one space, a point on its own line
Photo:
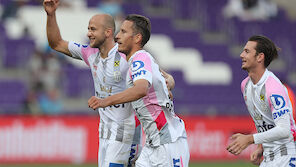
280 113
107 89
264 127
139 73
137 65
132 154
256 116
177 162
277 101
78 45
115 165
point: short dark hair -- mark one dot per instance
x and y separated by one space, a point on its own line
142 25
266 46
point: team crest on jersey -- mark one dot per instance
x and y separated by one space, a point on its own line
262 97
277 101
116 63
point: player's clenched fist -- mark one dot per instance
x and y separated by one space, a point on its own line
95 102
50 6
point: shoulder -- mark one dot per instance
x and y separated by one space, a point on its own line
86 49
274 85
142 55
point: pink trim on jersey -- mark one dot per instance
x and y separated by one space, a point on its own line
273 86
122 55
293 129
243 84
150 101
160 120
142 56
181 161
86 52
137 121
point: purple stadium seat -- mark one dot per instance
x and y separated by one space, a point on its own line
12 96
93 3
18 52
78 82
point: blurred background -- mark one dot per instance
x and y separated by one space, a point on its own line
44 117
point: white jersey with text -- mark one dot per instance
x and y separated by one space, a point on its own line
117 122
155 111
269 105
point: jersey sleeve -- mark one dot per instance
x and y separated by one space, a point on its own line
81 51
141 67
280 107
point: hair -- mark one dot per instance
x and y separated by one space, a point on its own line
142 25
265 46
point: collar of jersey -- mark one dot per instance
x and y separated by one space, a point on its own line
111 53
263 78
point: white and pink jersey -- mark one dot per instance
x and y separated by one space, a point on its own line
155 111
269 105
117 122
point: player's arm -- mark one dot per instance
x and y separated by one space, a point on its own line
136 92
281 130
53 33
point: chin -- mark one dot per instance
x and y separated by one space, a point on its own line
122 50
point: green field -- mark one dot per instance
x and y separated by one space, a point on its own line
204 164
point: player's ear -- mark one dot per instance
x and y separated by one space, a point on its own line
108 32
260 57
138 38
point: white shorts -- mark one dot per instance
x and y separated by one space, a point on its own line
117 154
281 161
166 155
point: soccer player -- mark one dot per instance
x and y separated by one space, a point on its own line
166 140
119 128
268 103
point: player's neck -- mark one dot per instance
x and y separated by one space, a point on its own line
256 75
132 52
105 48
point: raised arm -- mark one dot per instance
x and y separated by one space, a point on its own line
53 33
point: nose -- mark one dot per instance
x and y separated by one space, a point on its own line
117 37
241 55
88 34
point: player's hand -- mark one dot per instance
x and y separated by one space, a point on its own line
239 143
256 156
50 6
95 102
171 95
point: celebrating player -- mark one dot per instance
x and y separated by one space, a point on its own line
166 140
269 105
119 133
